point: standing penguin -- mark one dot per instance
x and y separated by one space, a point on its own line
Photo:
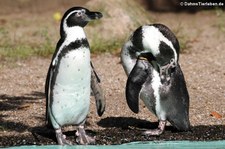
70 77
150 59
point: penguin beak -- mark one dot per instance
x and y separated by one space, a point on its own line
93 15
147 56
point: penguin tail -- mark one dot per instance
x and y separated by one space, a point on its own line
48 123
181 124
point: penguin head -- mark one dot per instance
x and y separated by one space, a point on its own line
77 16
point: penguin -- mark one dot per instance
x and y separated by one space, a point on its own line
71 76
150 60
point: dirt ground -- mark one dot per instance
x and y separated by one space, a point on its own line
22 108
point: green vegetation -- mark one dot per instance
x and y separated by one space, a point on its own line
22 37
25 37
10 48
101 46
48 47
220 24
18 49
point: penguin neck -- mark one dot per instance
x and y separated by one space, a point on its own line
74 33
69 35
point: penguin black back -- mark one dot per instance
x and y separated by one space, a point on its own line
175 100
150 59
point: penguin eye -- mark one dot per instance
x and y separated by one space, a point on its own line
79 14
83 10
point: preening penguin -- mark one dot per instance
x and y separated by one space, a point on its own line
150 59
71 76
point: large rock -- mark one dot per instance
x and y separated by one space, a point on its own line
120 17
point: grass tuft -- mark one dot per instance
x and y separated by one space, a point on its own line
17 49
24 37
220 24
47 48
99 45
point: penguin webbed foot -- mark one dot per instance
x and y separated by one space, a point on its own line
158 131
61 138
83 138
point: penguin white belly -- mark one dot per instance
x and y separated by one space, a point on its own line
154 105
71 91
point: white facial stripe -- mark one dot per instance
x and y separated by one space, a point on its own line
64 21
82 10
79 34
151 40
127 62
67 29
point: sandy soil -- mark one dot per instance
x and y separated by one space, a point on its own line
22 108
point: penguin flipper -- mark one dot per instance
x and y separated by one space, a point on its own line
96 75
98 92
48 83
136 79
178 112
47 92
46 95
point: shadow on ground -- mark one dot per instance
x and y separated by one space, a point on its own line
16 103
118 130
126 123
9 102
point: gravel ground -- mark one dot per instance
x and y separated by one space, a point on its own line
22 108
